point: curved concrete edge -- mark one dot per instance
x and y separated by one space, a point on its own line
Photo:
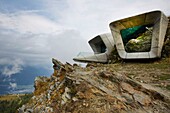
108 41
160 22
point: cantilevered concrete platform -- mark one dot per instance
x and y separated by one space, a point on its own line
102 45
156 19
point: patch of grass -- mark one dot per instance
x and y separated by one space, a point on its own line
168 87
164 87
10 106
10 97
131 75
165 77
161 66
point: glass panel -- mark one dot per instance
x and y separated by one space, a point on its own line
103 47
138 38
85 54
100 47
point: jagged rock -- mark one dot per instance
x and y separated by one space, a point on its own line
114 57
57 64
40 82
99 89
52 87
49 110
29 111
68 67
22 109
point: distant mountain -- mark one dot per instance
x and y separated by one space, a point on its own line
24 80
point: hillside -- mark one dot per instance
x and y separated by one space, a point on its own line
121 86
10 103
108 88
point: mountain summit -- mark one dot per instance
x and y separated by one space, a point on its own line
106 88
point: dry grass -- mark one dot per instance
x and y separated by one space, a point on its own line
156 73
10 97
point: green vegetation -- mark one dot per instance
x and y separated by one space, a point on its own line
10 103
133 32
168 87
165 77
130 33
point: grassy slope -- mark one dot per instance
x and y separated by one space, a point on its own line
10 103
154 73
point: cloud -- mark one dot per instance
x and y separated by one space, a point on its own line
23 89
11 66
28 22
38 49
13 85
93 17
36 39
62 29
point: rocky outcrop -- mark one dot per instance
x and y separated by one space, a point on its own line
97 88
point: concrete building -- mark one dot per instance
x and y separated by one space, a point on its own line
148 28
102 45
155 19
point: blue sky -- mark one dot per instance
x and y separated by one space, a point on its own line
34 31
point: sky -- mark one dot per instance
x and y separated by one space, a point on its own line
32 32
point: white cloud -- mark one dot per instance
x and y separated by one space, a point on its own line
28 22
38 49
12 66
13 85
23 89
93 17
36 39
63 28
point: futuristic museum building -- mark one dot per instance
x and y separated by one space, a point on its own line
136 37
102 45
